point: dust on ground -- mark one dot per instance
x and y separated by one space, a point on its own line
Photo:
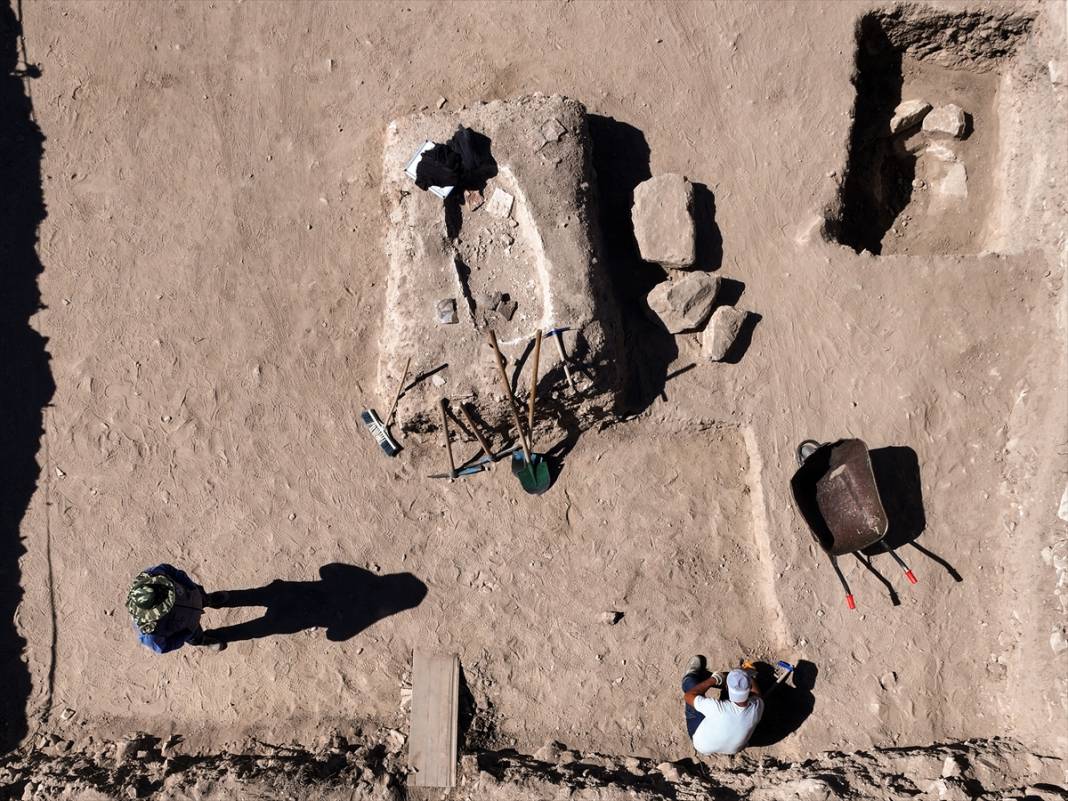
213 286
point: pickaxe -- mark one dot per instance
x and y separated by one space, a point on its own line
557 335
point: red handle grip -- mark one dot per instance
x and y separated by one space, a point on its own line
910 577
850 602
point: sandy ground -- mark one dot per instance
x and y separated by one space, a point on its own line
213 278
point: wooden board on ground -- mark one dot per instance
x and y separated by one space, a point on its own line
435 710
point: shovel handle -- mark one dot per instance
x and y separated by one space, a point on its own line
534 387
474 430
492 337
448 444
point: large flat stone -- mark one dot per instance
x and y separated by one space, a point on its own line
663 221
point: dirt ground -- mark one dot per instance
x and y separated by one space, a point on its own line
212 284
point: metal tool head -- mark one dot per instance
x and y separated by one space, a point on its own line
558 330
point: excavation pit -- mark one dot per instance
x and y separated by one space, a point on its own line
521 257
918 191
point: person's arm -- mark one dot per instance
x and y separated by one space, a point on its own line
701 688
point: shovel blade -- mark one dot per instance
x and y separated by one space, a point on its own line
534 476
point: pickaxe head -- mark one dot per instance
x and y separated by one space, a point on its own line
559 330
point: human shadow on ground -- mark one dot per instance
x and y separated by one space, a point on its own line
788 705
345 600
897 475
23 360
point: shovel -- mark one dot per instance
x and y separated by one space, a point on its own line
531 469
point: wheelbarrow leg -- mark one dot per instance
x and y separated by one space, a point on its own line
845 585
901 562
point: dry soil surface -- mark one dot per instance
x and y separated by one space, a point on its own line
213 286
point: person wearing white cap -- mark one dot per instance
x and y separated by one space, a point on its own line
716 726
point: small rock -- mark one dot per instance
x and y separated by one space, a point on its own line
948 120
954 184
446 311
611 617
669 772
395 740
500 204
507 309
549 752
553 130
888 681
441 102
908 114
566 757
1058 642
1062 509
59 473
723 329
663 221
507 239
948 790
438 380
473 199
684 304
952 767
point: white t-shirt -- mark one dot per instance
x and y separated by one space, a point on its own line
727 727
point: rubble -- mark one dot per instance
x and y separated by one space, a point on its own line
446 311
721 332
500 204
908 114
948 120
663 221
954 183
684 303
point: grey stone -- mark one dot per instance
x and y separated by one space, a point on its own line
549 752
721 332
685 303
507 309
553 130
446 311
500 204
953 183
611 617
947 119
663 220
908 114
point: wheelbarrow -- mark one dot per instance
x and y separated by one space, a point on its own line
835 490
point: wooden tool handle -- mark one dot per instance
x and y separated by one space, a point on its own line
508 391
563 361
448 444
400 389
534 387
478 434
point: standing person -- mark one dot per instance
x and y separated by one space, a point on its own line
720 727
165 606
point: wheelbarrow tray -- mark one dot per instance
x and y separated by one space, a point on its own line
836 493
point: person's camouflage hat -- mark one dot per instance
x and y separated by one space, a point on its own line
149 599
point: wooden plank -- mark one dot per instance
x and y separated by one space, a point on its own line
435 712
